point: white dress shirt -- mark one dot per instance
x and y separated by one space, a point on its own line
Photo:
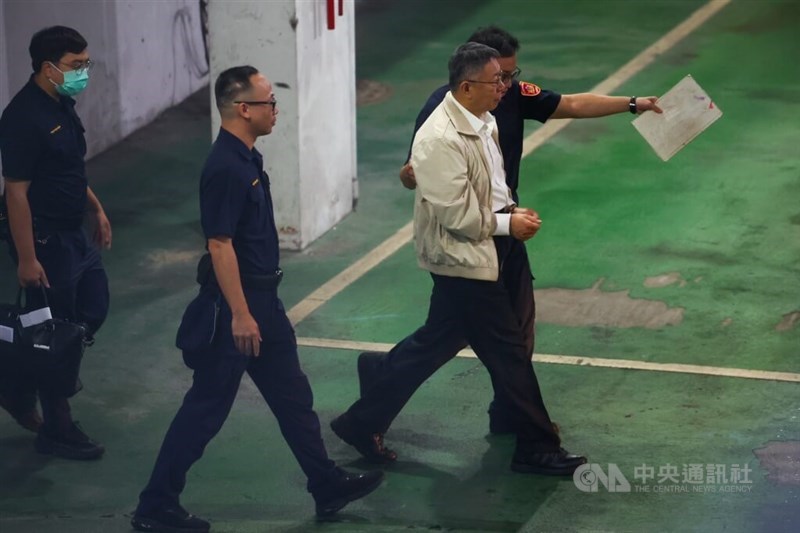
501 195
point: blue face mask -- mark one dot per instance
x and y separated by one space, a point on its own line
75 81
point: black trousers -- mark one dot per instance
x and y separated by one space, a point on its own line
485 314
217 374
78 292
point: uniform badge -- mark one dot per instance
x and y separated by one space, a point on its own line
528 89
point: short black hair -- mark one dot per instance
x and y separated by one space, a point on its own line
231 83
467 61
51 44
496 38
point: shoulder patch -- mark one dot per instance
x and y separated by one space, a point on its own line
528 89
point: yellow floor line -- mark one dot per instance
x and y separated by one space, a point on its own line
350 274
630 69
332 287
578 361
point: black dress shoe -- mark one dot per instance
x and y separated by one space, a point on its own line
347 488
370 445
560 463
368 367
71 444
169 520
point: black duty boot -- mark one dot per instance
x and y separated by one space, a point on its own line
70 444
173 519
349 487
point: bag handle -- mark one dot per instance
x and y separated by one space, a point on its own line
22 290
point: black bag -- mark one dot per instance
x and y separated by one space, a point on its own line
49 348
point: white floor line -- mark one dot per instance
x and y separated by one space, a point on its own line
579 361
373 258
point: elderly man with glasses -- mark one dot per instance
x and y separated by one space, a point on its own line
469 235
521 101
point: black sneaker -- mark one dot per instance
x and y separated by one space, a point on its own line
169 520
72 444
347 488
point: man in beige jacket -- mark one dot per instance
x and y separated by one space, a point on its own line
469 236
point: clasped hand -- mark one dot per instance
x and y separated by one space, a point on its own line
524 223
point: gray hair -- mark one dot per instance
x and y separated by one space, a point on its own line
467 61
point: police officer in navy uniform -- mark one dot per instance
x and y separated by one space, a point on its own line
521 101
47 196
238 324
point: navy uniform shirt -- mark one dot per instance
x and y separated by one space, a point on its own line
235 202
522 101
41 141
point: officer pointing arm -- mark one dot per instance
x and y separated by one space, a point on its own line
582 105
523 100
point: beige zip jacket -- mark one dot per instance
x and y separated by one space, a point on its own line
453 218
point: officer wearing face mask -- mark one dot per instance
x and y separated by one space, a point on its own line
47 198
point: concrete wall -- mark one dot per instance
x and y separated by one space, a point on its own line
311 154
147 52
327 115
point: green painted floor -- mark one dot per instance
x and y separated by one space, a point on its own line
721 220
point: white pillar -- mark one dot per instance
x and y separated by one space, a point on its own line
311 154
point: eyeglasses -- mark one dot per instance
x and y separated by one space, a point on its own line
273 102
508 76
79 65
498 81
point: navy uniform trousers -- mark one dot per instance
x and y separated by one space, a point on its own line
486 314
78 292
217 374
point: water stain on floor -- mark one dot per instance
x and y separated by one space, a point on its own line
595 307
781 460
790 321
164 258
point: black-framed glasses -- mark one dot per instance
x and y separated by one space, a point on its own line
496 82
273 102
508 76
79 65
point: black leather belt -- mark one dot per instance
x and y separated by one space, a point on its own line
507 209
48 224
206 276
